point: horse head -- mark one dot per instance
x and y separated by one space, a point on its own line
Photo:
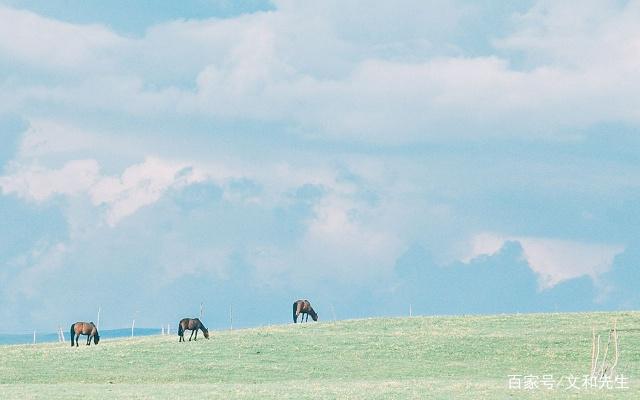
205 332
96 338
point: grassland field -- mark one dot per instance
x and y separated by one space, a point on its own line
462 357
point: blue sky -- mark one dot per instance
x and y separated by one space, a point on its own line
462 157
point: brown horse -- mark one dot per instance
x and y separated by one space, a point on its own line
191 324
84 328
303 307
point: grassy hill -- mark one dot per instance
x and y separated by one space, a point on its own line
420 357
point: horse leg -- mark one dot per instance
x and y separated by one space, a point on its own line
88 340
196 337
77 337
191 336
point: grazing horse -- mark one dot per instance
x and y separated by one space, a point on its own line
84 328
191 324
303 307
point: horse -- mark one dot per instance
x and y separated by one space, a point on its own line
191 324
84 328
303 307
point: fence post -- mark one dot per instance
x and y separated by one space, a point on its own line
98 324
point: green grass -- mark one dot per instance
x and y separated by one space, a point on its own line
421 357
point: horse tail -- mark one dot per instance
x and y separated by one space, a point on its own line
180 329
72 332
295 308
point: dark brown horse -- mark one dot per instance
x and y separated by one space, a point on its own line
191 324
303 307
84 328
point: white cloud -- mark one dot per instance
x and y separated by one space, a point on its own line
138 186
597 34
39 183
340 238
339 242
354 92
554 260
484 244
48 137
44 42
323 69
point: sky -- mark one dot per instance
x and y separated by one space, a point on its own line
455 157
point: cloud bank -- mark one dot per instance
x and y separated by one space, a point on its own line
433 153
